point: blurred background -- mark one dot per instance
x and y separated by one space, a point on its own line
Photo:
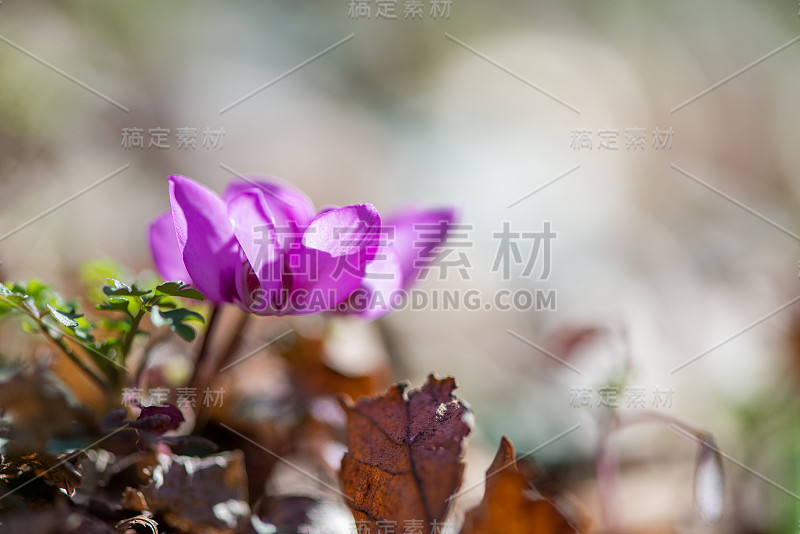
664 252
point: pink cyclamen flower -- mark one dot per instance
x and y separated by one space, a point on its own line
261 246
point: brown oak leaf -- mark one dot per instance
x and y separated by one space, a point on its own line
404 459
509 505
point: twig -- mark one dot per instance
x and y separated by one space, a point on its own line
202 417
199 360
127 341
234 342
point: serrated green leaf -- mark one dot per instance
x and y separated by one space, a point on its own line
4 291
175 319
182 314
179 289
8 296
125 291
62 318
118 284
186 332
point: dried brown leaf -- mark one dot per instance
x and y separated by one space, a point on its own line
404 459
509 505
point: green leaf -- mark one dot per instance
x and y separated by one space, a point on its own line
5 292
161 317
186 332
84 329
62 318
115 305
121 289
182 314
175 319
10 297
119 285
129 293
179 289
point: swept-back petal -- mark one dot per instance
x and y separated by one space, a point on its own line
382 278
164 248
205 238
418 236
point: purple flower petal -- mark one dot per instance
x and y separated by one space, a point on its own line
289 208
418 234
205 238
259 281
330 262
382 278
165 251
